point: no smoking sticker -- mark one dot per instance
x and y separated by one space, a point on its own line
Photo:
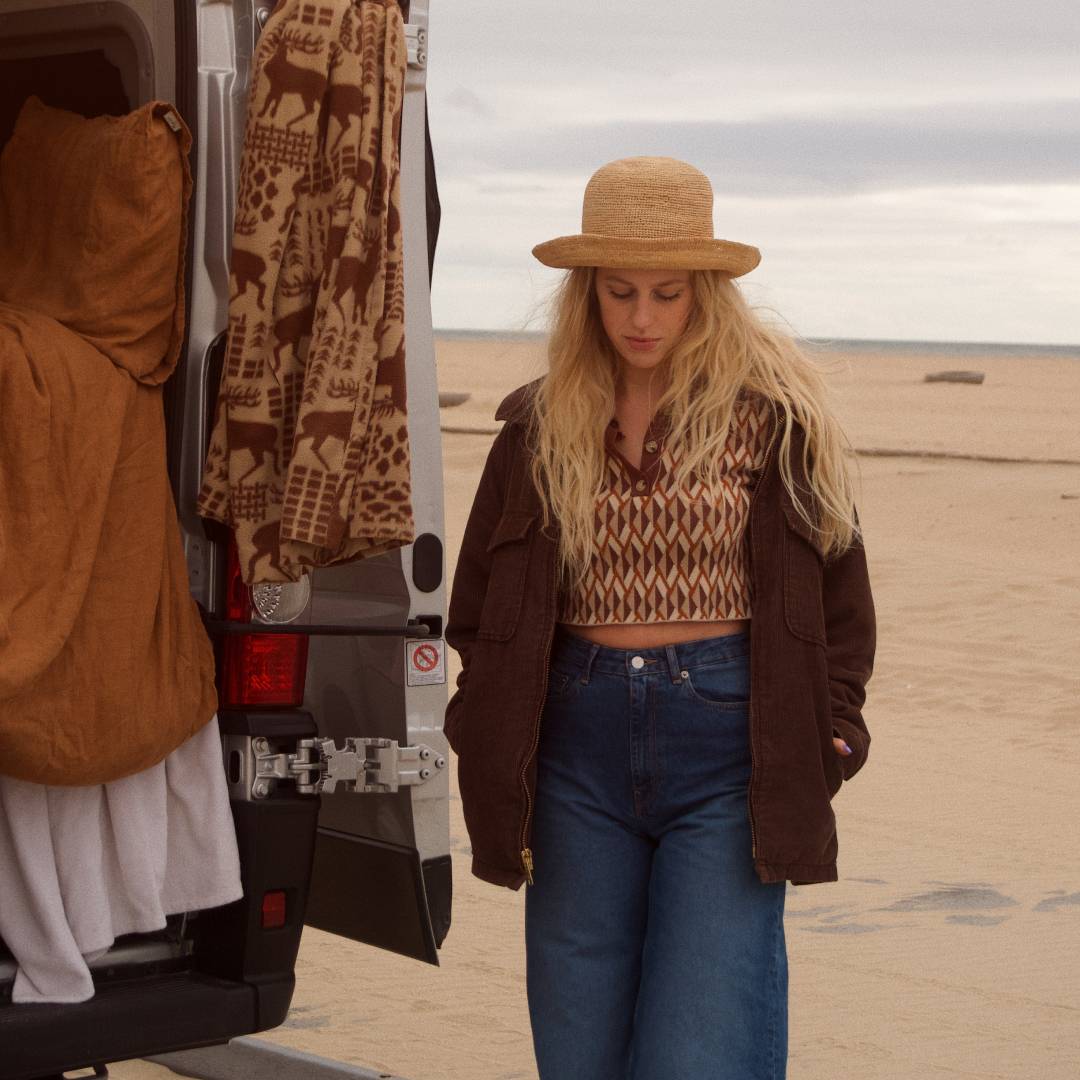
425 661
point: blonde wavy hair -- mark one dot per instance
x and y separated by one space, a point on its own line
725 348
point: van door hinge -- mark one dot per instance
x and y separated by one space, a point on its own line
361 765
416 45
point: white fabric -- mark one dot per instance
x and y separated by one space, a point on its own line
80 866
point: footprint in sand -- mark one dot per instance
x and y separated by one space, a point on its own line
962 900
1057 900
845 927
836 925
296 1019
811 912
962 897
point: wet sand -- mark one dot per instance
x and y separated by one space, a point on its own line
948 947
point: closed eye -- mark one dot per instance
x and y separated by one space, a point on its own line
659 296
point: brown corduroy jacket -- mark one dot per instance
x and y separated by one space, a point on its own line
812 652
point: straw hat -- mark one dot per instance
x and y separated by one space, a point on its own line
648 213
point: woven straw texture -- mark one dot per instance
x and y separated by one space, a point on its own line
648 212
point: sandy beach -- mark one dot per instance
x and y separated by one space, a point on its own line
948 947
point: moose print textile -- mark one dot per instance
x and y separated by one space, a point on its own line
309 456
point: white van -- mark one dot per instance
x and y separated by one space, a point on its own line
370 858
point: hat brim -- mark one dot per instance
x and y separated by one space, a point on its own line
645 253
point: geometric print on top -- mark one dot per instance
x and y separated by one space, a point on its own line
672 554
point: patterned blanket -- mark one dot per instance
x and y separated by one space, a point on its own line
309 457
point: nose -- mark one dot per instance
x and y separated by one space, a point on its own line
641 316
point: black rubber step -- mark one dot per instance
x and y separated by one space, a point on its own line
127 1019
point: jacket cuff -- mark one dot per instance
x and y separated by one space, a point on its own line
496 875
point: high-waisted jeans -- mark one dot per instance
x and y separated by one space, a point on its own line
653 951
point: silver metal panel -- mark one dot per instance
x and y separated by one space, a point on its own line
357 686
58 27
225 38
256 1059
425 705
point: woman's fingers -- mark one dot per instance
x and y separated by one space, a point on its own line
841 747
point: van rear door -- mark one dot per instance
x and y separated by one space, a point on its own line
376 667
382 861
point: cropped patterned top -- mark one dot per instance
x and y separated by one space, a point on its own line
667 553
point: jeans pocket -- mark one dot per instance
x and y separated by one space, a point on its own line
720 686
562 688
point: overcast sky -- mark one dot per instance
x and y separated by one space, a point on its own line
909 170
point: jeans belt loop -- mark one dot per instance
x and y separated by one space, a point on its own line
586 670
674 667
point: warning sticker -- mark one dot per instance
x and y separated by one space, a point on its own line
425 661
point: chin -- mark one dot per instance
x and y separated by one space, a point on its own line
644 361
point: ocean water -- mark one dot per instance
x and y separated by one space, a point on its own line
855 345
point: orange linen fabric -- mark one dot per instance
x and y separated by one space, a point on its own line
309 457
89 217
104 664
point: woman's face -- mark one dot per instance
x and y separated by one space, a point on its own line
644 312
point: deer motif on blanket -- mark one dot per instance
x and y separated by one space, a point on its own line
312 405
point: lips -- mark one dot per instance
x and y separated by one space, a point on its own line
641 343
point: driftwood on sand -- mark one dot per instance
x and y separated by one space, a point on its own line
955 376
449 398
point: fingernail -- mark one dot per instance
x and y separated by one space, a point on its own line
847 748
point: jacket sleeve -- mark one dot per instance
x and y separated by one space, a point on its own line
851 637
472 572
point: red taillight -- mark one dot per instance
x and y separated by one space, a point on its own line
264 669
258 669
273 910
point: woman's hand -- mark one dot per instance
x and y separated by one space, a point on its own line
841 747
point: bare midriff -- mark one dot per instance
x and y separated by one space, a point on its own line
651 635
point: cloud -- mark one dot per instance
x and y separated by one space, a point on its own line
468 101
908 167
993 142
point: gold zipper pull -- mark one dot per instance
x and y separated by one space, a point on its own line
527 862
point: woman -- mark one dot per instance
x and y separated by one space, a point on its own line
654 768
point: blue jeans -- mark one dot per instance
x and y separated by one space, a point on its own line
653 952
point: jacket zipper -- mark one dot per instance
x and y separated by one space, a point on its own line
526 851
750 550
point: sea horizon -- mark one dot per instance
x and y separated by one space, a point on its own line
897 345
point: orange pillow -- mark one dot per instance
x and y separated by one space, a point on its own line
93 226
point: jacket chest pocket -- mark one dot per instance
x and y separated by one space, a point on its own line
510 548
803 563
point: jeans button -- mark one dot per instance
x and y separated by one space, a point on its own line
637 663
